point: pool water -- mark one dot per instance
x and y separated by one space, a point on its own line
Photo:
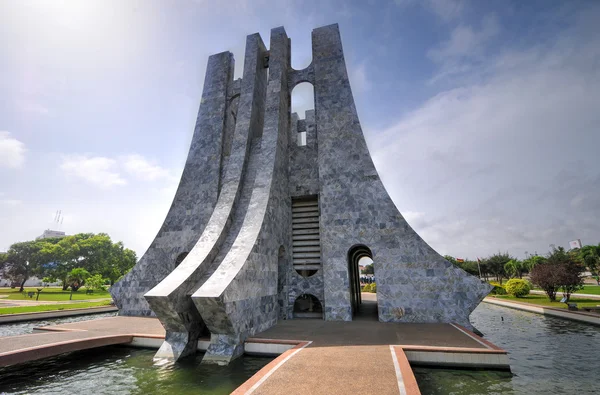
124 370
547 356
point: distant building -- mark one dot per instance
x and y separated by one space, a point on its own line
51 234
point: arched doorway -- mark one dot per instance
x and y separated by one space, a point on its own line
308 306
357 253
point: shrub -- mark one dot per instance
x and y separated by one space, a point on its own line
373 288
367 288
95 283
498 288
517 287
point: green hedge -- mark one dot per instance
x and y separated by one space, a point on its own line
517 287
498 288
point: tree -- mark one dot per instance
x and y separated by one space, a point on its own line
466 265
590 257
514 268
95 282
76 278
495 265
547 278
561 270
532 261
368 269
21 261
94 252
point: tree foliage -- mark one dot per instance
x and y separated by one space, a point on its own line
532 261
466 265
368 269
21 261
517 287
514 268
76 278
95 282
590 257
57 258
495 265
560 271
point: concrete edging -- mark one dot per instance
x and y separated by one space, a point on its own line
42 315
574 316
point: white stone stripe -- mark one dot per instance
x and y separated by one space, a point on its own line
266 376
473 337
401 387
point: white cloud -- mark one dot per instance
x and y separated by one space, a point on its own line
105 172
506 160
139 167
446 10
358 79
465 49
31 106
12 151
95 170
465 41
10 202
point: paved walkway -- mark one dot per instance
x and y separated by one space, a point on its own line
76 336
352 357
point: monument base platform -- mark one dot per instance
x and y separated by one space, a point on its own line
313 356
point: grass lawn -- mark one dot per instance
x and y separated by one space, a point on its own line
590 289
52 294
587 289
51 307
542 300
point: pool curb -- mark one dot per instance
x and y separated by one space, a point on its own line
588 318
42 315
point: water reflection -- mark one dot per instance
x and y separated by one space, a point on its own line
547 355
121 370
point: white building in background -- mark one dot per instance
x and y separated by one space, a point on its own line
51 234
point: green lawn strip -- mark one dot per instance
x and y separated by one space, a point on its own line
587 289
50 307
542 300
53 294
590 290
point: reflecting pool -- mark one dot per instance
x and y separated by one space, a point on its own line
547 356
124 370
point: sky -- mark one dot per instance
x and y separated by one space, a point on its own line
482 118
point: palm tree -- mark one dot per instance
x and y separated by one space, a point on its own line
590 256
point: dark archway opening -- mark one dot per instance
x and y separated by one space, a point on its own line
368 309
308 306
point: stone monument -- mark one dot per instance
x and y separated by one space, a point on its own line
266 225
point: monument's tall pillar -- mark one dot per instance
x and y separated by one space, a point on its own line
241 297
195 198
170 299
358 218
